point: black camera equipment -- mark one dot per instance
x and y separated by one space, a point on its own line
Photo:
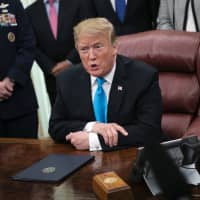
164 159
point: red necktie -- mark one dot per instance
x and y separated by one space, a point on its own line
53 19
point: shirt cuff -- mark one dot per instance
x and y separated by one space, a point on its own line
94 143
88 127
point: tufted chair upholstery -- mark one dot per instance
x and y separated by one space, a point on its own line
176 55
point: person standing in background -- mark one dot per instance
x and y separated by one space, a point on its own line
53 22
18 105
181 15
128 16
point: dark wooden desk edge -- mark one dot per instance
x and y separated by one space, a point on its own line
26 141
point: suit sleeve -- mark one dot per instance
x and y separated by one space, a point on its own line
60 123
146 127
25 45
164 21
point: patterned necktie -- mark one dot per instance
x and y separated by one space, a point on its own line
53 19
120 6
100 102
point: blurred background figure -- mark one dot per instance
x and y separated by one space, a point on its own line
128 16
179 15
53 22
18 105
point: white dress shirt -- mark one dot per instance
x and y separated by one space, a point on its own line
94 143
190 26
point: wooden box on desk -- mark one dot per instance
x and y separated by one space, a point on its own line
109 186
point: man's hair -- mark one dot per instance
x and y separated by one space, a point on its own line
94 26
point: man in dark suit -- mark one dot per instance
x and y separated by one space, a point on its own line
131 105
140 15
18 106
54 54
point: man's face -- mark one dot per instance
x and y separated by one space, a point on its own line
97 53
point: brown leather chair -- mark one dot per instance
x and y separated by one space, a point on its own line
176 55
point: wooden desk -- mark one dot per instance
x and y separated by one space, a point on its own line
17 154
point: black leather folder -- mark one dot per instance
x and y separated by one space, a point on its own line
53 168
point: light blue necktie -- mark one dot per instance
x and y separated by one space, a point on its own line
100 102
120 6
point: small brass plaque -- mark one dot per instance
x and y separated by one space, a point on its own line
48 170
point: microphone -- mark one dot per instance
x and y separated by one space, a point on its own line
167 174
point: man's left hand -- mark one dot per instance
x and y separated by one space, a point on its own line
109 132
79 139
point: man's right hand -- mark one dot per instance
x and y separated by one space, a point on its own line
60 66
109 131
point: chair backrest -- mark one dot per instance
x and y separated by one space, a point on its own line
176 55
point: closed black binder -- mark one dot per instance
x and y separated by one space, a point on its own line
53 168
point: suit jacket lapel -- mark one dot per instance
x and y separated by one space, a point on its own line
129 8
106 7
61 17
117 91
85 90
